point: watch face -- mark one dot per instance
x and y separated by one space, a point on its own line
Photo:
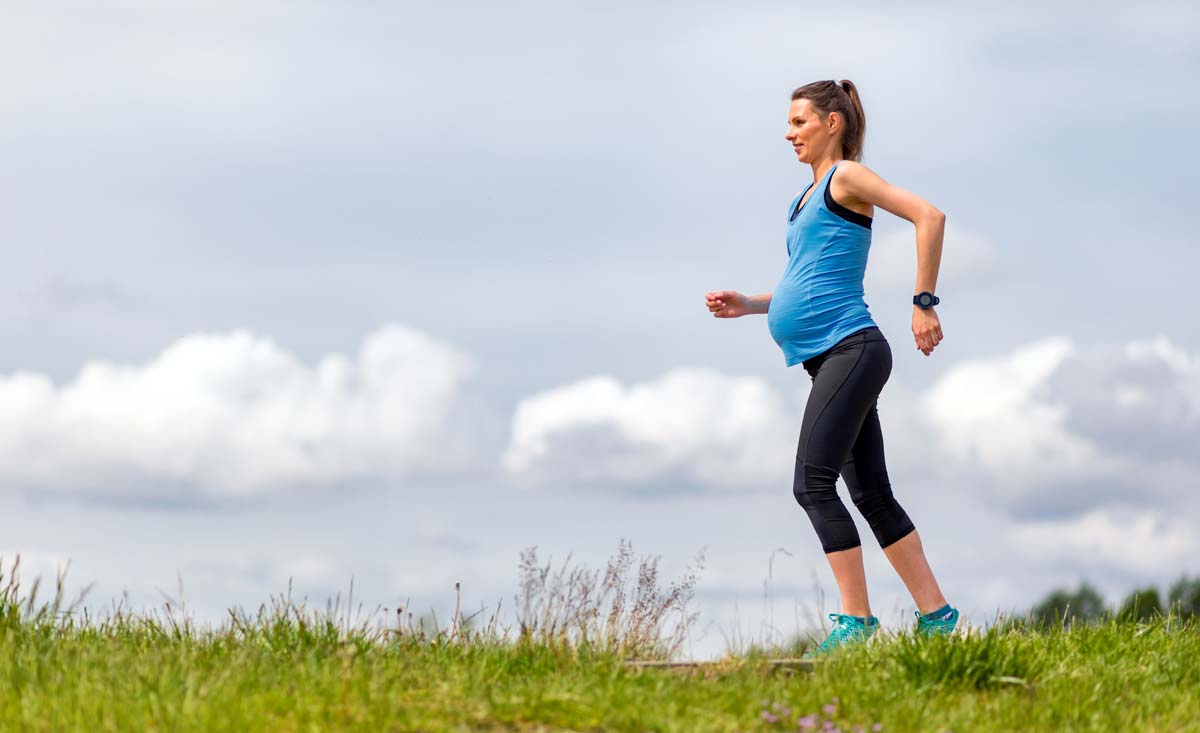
926 300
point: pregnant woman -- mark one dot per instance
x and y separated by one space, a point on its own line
818 317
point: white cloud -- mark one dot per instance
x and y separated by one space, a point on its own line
235 414
994 418
694 424
1051 429
1106 540
1056 428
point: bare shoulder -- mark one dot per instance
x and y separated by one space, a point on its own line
860 184
856 174
852 183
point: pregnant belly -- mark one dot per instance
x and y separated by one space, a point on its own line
790 316
795 318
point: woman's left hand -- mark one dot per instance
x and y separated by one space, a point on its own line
927 329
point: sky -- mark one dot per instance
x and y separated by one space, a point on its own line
384 293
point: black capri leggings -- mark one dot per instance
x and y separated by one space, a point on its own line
841 434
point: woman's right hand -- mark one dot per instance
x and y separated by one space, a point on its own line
727 304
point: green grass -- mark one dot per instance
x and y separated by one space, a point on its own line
288 668
290 675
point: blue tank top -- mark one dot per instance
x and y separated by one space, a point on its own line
819 299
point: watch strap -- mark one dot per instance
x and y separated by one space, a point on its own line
932 299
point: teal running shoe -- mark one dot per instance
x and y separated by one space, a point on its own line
937 626
846 630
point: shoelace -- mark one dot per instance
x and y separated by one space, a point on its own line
845 628
947 615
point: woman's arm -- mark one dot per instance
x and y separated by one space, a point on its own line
862 184
759 303
732 304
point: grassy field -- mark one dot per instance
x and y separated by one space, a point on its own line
288 668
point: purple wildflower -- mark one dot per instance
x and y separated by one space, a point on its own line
877 727
808 722
829 709
770 717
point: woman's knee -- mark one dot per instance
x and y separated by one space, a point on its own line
814 484
869 487
876 503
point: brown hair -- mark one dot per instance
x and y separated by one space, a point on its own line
841 97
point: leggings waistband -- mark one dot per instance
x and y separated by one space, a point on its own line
870 334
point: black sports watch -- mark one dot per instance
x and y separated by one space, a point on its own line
925 300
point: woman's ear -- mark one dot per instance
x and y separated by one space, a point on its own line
833 122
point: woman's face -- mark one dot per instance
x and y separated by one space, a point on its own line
809 136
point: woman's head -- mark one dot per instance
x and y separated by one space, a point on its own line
826 118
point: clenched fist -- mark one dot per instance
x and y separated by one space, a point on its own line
727 304
927 329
